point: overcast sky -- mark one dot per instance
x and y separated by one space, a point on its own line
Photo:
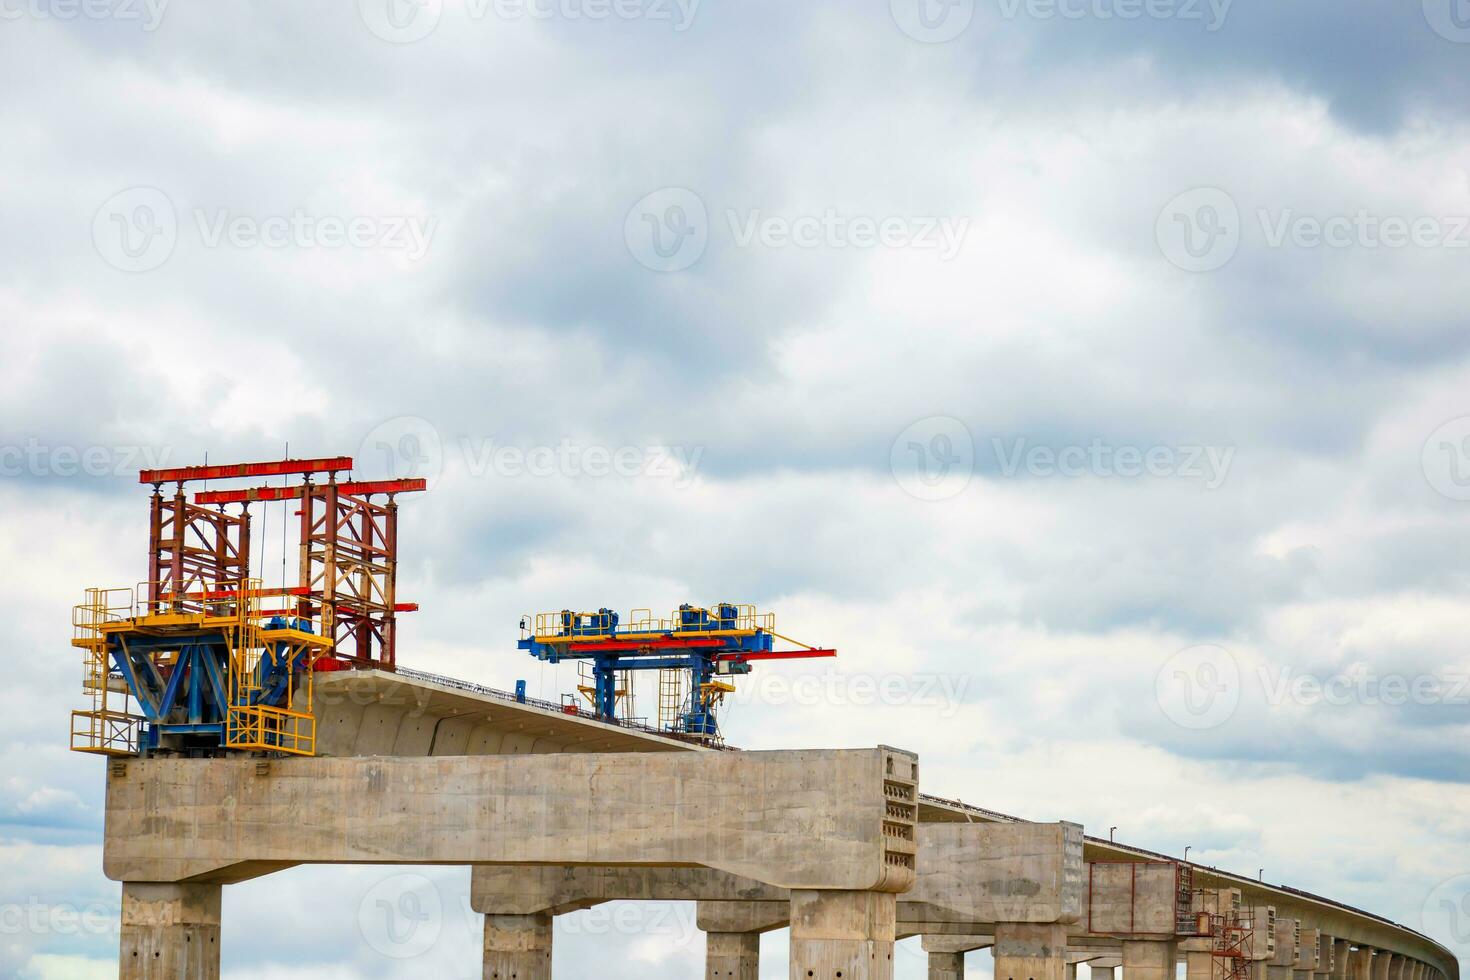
1094 374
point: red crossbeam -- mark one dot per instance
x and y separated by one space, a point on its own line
679 642
358 489
295 590
232 471
778 655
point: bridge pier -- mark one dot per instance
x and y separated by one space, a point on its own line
1030 951
169 930
946 966
843 933
1198 965
732 955
947 953
518 947
1147 959
732 935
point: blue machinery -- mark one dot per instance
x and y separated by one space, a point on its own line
697 652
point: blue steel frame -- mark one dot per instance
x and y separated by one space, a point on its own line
193 699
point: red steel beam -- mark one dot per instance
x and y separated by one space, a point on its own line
777 655
231 471
272 593
359 489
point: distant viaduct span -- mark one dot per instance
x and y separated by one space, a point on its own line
558 813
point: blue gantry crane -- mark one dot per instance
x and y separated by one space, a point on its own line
698 652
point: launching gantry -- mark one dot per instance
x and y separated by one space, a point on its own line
697 651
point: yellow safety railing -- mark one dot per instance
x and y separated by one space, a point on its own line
105 732
109 727
289 727
273 729
583 626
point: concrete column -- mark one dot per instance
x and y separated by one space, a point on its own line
845 932
946 966
1103 973
732 955
1150 959
1027 951
1071 971
1381 963
518 947
1360 963
1199 965
1341 950
169 932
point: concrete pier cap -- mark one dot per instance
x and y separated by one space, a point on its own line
840 819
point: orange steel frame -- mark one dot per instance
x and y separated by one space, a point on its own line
348 548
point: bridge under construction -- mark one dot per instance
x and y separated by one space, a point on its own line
247 728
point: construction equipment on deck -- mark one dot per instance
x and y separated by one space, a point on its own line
193 660
698 652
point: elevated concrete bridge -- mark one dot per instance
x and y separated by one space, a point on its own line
558 812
